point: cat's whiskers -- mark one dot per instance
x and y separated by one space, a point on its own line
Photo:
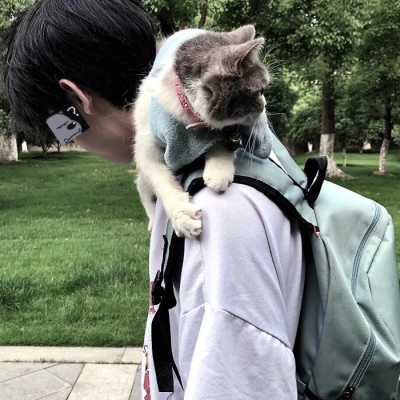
271 49
254 140
274 65
276 62
270 126
249 142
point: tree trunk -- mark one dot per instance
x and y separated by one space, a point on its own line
383 158
45 149
182 23
344 156
166 22
254 4
387 139
203 17
8 149
328 129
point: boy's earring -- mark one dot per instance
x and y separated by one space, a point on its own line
67 123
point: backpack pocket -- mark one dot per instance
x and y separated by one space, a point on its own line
358 354
376 290
344 346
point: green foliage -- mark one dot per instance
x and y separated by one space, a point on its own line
376 80
326 34
9 9
281 99
172 15
306 122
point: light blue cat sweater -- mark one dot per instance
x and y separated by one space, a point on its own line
184 146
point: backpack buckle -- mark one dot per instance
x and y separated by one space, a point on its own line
157 291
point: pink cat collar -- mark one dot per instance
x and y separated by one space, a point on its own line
198 123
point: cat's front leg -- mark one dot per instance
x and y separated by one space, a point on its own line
185 216
219 169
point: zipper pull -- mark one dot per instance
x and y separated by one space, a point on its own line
347 394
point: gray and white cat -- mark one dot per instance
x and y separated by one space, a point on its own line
222 79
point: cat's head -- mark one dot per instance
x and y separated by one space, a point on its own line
223 76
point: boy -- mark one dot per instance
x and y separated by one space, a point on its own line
241 282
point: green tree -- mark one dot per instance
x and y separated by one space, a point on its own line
305 125
318 38
9 9
172 15
322 47
377 77
281 99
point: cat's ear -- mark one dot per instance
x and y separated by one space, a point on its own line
233 59
243 34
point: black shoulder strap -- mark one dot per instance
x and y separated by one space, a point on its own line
164 296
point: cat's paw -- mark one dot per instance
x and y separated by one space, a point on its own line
186 220
217 182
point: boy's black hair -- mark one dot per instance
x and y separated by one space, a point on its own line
104 46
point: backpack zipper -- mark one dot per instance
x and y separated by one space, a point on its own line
361 368
369 351
364 240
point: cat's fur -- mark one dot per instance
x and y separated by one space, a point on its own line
223 79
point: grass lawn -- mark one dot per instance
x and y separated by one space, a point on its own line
74 247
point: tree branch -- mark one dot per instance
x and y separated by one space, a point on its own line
167 23
203 16
254 4
279 35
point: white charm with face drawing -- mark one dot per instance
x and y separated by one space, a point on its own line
64 128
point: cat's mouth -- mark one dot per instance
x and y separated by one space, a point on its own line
248 120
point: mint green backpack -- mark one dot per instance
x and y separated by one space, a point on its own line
348 340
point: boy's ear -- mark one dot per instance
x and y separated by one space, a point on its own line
74 93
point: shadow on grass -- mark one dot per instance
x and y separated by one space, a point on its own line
15 291
94 281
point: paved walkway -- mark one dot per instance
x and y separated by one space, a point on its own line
73 373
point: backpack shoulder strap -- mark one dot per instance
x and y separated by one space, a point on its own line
286 186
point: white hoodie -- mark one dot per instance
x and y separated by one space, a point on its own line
238 304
